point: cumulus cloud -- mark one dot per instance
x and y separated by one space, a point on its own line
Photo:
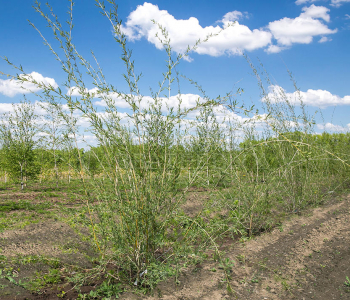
229 39
187 101
317 98
74 91
221 113
120 101
274 49
9 108
299 2
12 87
324 39
5 107
316 12
333 127
335 3
302 29
338 3
91 140
233 16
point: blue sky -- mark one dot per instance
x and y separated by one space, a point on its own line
311 38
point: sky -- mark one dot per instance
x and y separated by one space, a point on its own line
309 39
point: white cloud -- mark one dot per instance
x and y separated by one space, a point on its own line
303 28
9 108
332 127
5 107
233 16
274 49
315 12
324 39
187 101
40 108
338 3
299 2
230 40
121 101
12 87
74 91
222 114
335 3
317 98
347 16
84 121
91 140
114 98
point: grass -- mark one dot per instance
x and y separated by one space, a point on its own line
23 205
347 282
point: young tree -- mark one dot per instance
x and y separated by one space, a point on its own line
18 133
139 191
2 160
206 143
53 130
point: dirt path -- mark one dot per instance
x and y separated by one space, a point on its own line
306 258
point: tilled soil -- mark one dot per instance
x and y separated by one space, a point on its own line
48 239
308 257
45 238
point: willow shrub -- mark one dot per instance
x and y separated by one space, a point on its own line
146 161
282 166
133 205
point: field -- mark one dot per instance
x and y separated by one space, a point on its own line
44 256
108 193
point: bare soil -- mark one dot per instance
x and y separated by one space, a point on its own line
307 257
